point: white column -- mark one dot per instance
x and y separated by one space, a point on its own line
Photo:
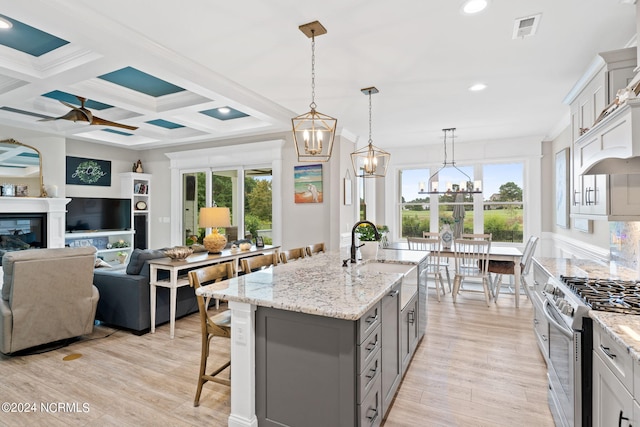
243 365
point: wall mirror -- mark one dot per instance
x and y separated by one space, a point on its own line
21 165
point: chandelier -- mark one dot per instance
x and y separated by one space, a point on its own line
466 185
313 132
370 161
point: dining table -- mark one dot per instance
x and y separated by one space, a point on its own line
496 253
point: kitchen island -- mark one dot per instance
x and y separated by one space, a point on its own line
316 343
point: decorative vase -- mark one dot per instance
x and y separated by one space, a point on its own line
446 235
369 250
122 258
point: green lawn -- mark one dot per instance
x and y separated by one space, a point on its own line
504 224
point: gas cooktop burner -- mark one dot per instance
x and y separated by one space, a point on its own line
616 296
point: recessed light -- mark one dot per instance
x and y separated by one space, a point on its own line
5 24
469 7
478 87
224 110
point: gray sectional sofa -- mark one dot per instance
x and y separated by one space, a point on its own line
124 295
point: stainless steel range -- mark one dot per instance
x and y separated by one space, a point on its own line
567 305
569 367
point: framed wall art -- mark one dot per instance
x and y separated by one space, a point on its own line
562 188
348 186
307 181
82 171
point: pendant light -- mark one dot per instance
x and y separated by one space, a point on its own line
370 161
313 132
466 186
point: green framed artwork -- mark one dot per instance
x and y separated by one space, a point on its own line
83 171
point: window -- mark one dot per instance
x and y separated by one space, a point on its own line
414 207
258 203
499 211
503 207
254 200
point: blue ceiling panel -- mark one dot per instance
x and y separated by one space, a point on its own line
165 124
71 99
141 82
217 114
28 39
119 132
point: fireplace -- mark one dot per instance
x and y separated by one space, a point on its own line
20 231
49 211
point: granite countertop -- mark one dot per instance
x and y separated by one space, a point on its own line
317 285
586 268
623 328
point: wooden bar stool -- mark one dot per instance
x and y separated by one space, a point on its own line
218 325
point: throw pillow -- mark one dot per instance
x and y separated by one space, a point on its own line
139 256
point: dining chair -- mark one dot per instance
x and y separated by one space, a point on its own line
258 262
499 268
471 260
316 248
434 265
292 254
218 325
444 261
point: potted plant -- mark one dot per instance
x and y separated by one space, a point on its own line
122 256
367 236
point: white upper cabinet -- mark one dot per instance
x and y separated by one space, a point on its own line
604 195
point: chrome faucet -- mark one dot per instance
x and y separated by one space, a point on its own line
353 238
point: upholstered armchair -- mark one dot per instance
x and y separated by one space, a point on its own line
47 296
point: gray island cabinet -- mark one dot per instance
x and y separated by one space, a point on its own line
329 344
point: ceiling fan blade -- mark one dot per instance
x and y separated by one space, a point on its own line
66 104
74 115
103 122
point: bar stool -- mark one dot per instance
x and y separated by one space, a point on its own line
218 325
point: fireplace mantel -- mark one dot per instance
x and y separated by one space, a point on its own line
55 208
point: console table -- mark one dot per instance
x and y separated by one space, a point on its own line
174 267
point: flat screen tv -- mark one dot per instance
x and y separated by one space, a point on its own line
98 214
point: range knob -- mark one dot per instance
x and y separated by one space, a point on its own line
567 310
549 288
561 304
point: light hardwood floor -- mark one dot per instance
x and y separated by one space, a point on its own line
476 366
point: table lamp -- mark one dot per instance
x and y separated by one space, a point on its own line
215 217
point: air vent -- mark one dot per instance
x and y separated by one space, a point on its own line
525 27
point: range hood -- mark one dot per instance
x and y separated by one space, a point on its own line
612 146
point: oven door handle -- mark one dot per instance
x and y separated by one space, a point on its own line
566 332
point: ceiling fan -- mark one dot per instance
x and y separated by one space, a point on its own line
83 114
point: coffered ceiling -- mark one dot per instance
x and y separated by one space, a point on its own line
167 67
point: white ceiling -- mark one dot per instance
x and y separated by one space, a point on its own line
422 55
